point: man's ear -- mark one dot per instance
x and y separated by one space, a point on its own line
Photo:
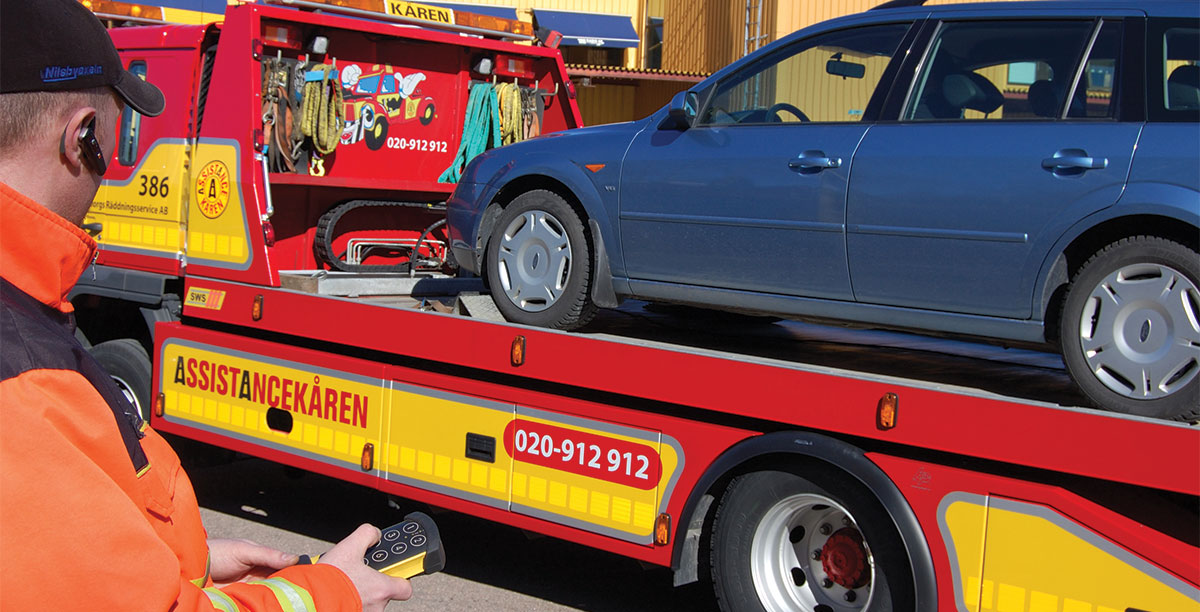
72 153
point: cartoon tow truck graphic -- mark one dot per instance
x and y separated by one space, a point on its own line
379 98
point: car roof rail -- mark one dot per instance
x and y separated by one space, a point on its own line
891 4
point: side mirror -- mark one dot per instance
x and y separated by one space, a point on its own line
681 112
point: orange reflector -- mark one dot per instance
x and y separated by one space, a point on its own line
368 457
256 310
885 414
160 405
662 529
518 351
594 167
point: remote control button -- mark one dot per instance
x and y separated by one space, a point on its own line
391 536
399 548
418 540
410 527
379 556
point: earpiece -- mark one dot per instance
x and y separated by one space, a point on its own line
92 153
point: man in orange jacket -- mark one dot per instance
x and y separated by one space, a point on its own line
95 511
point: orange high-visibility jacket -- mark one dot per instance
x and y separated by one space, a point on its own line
95 511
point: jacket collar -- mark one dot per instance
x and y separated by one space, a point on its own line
41 253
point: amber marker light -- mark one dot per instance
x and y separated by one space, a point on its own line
160 405
518 351
368 457
256 309
595 167
662 529
886 412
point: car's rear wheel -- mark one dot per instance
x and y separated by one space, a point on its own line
539 263
1131 328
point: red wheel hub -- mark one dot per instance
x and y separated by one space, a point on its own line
844 559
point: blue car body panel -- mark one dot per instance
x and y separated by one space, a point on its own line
943 225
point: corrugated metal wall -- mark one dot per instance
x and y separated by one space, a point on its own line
614 103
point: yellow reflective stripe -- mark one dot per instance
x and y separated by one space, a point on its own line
203 580
291 597
144 470
221 601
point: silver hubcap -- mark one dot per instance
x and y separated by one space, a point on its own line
534 260
1140 331
807 554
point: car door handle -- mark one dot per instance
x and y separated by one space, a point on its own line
814 160
1074 159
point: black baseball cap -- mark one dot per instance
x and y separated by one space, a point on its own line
59 45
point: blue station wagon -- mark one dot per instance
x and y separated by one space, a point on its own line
1024 172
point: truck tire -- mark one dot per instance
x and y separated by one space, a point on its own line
127 362
539 263
1130 332
808 540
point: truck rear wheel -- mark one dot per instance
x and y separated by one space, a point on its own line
127 362
810 541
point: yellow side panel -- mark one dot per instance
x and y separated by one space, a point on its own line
145 213
334 414
603 477
1016 557
426 438
218 230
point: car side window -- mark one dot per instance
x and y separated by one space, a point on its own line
828 78
1174 71
1002 70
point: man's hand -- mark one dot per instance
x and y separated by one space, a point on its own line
241 560
375 589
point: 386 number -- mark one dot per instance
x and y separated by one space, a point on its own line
154 186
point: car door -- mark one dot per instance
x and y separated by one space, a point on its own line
1005 141
752 196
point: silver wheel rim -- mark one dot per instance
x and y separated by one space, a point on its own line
1140 331
787 558
534 260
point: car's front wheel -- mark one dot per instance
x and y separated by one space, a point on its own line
539 263
1131 328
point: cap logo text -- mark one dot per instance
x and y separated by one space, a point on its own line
52 74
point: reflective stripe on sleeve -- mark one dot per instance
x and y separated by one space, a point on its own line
221 601
291 597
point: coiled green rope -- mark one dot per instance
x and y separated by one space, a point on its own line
481 130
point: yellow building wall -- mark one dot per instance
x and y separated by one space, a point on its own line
605 103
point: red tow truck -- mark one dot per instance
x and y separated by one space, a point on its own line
288 297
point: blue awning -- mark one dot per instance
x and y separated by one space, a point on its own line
483 9
589 29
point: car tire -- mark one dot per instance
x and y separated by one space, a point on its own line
376 135
127 362
768 532
538 263
1130 334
